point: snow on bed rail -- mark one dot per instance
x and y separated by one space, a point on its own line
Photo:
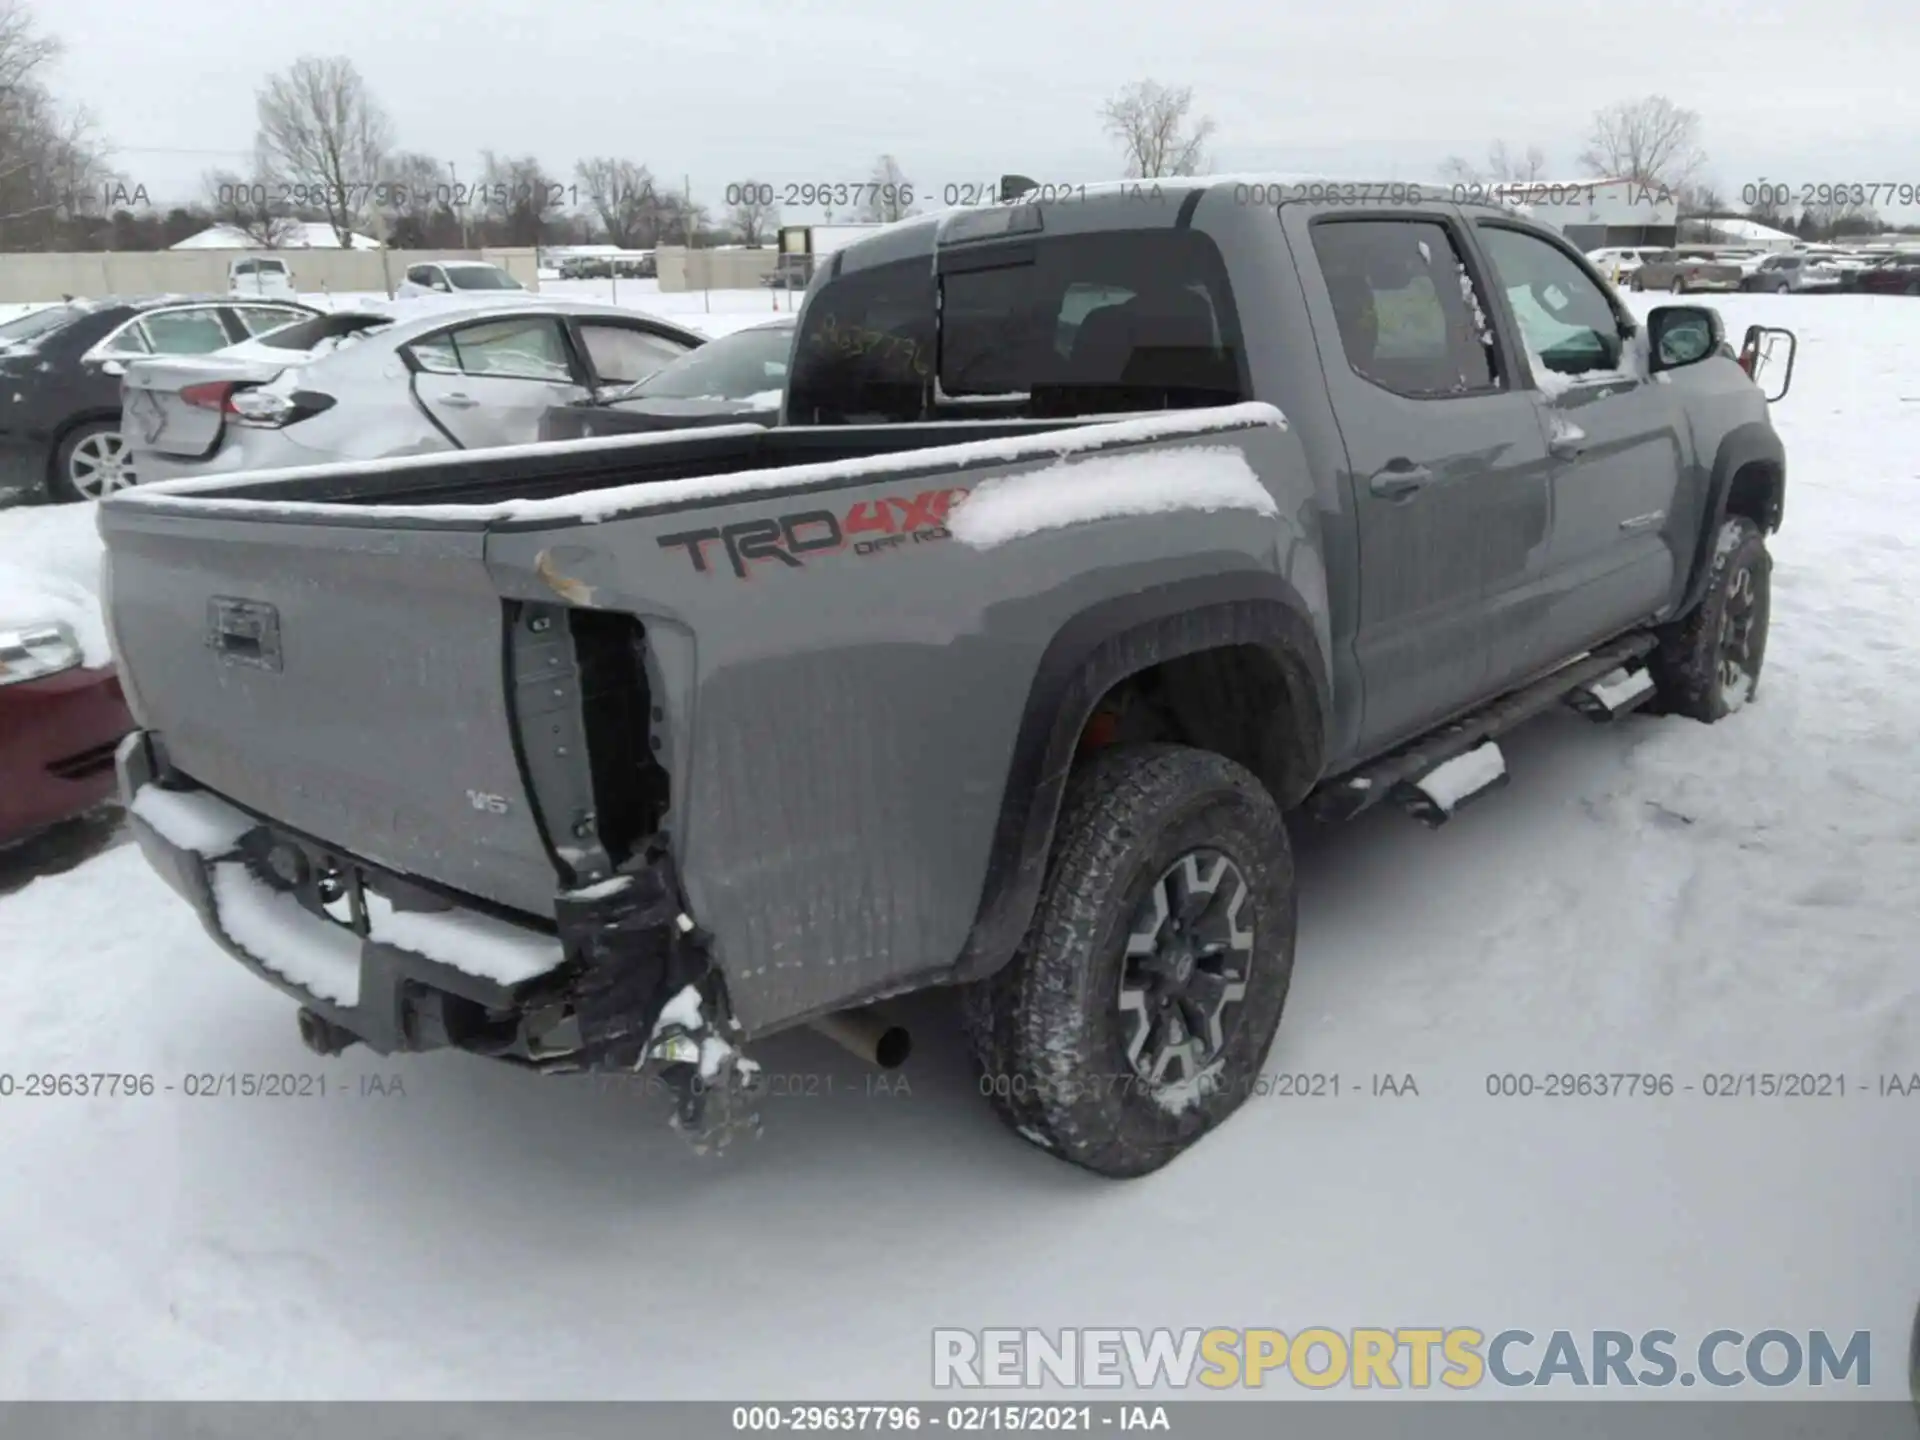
596 505
1103 487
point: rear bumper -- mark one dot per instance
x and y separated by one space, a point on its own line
57 757
406 967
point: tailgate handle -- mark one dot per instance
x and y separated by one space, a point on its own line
246 632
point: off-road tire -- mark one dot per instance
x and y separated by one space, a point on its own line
1047 1031
1687 666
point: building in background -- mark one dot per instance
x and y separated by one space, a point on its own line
1747 234
1601 214
288 235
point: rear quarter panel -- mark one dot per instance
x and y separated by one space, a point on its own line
840 729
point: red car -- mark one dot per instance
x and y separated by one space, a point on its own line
60 722
1898 275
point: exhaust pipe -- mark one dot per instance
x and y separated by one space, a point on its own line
322 1036
867 1033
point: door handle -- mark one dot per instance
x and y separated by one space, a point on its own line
1397 482
458 401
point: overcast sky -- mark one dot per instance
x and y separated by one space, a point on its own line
776 90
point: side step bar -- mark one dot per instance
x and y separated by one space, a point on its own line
1362 789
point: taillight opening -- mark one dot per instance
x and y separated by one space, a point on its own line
214 395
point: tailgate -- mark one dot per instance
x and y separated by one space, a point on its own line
157 417
346 680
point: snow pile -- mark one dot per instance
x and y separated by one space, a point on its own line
470 942
271 926
201 824
50 571
1195 477
1447 785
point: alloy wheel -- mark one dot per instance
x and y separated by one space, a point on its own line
1737 623
1186 966
100 464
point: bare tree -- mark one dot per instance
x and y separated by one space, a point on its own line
1156 131
889 193
52 166
251 204
1503 167
752 216
520 197
1651 142
416 198
325 138
1701 198
1843 217
621 195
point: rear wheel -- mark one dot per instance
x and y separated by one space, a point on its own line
92 461
1708 664
1780 287
1636 284
1679 286
1138 1011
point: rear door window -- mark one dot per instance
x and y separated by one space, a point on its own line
1089 324
530 348
1409 316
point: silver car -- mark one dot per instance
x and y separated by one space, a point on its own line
1793 274
366 384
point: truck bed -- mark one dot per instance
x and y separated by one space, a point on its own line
562 468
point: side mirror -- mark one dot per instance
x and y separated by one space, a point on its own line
1681 335
1766 353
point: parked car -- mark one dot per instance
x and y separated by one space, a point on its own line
1682 272
1894 275
1793 273
60 722
474 278
363 385
736 379
621 754
261 276
1619 263
60 372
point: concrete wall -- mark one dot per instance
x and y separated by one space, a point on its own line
684 269
29 276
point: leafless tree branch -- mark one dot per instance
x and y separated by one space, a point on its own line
1650 142
326 138
1157 134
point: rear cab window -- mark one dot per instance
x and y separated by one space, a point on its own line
1111 322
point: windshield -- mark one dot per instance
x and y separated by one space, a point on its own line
37 323
734 367
480 277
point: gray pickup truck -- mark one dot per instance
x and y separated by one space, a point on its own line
1098 535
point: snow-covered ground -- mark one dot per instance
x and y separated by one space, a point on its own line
1661 896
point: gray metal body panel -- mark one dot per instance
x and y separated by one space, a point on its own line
844 736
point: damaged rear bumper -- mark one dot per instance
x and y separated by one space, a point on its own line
623 980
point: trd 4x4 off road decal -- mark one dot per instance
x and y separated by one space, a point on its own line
869 528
